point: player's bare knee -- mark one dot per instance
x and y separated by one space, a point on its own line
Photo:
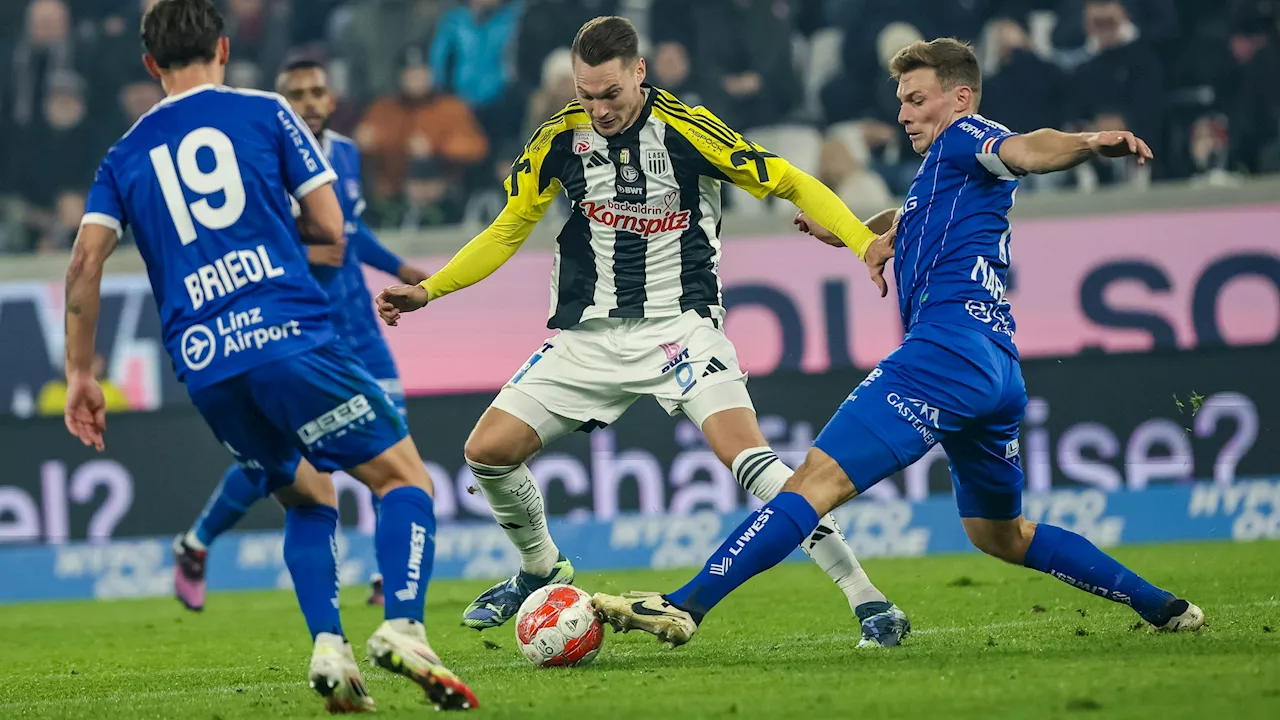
822 482
500 440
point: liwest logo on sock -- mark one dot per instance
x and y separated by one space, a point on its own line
750 532
337 579
417 544
1112 595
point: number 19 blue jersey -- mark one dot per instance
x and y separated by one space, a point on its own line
198 179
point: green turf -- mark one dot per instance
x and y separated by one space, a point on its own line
991 640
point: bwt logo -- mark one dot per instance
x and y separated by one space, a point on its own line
357 408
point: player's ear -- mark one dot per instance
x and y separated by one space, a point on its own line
153 68
224 50
641 70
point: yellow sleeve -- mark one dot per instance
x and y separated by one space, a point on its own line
530 190
826 208
760 172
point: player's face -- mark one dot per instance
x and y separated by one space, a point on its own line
610 93
927 109
308 92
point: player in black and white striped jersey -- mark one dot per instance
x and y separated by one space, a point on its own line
637 302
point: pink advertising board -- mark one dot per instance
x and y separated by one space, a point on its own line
1115 283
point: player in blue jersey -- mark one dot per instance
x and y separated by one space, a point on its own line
955 380
203 180
305 85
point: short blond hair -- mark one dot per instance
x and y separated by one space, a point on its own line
952 60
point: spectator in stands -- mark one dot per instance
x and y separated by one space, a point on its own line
866 100
63 151
374 41
673 21
1249 89
1119 88
436 128
259 33
1019 88
840 169
546 25
555 89
470 57
744 54
670 71
1155 20
114 49
44 49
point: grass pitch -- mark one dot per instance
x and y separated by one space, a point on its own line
990 640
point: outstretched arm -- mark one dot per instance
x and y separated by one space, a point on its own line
85 412
1048 150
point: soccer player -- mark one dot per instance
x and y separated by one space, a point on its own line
636 298
305 85
955 380
202 179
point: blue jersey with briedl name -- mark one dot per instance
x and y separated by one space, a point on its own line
951 257
199 178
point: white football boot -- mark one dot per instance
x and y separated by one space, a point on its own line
1188 619
401 647
336 676
647 611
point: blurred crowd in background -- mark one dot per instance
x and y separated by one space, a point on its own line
441 94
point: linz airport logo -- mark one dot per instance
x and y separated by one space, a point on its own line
198 346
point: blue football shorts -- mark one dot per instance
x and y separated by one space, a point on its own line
323 405
376 356
944 384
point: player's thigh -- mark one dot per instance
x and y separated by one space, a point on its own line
512 429
337 415
265 451
986 470
573 376
689 365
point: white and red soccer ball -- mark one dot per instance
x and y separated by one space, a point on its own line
556 627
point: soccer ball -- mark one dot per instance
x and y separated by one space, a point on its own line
556 627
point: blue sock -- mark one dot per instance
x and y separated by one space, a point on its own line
760 542
1078 562
236 493
377 518
310 552
405 543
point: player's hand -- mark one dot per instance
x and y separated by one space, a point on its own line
400 299
1120 143
410 275
879 252
807 225
86 411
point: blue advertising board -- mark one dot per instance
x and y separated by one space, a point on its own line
1243 511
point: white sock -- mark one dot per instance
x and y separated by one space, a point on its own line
193 542
763 474
516 502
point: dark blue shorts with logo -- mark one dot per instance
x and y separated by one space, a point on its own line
322 404
944 384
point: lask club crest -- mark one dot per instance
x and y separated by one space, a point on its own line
656 161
